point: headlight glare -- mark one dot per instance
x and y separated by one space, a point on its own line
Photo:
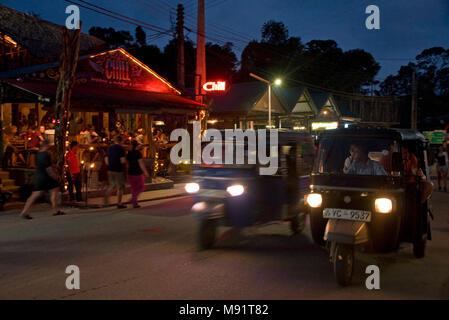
383 205
235 190
192 187
314 200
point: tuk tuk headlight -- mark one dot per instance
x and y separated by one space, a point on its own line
235 190
314 200
383 205
192 187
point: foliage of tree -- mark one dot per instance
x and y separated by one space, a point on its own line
112 37
141 37
221 61
276 55
432 75
319 62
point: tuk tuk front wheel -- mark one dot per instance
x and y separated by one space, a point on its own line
317 227
206 234
343 264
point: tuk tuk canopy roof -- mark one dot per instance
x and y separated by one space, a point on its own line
376 132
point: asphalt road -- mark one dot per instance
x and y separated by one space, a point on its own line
150 253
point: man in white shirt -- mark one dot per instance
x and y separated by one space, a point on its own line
363 165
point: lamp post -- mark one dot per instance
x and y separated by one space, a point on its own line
277 82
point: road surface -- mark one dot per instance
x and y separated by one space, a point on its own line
150 253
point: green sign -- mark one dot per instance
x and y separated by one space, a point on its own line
435 137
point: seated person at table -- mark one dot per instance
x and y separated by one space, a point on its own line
103 133
92 136
161 137
363 165
41 133
10 151
140 136
33 138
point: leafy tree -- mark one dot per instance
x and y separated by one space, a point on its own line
112 37
432 76
151 56
141 37
170 54
319 62
274 33
221 61
276 55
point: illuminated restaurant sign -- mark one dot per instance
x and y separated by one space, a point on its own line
215 86
324 125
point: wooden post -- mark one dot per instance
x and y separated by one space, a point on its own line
151 146
67 68
2 94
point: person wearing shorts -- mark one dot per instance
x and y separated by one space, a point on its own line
115 160
136 173
46 179
442 168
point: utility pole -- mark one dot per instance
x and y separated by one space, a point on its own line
414 103
200 52
180 31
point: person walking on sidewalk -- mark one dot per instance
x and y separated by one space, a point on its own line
74 172
442 168
46 179
115 159
136 173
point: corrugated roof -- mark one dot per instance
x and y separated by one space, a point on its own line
91 95
289 96
320 99
42 38
240 97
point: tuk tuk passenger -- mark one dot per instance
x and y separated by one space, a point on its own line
363 165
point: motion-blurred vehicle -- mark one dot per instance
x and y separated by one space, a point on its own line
237 195
372 205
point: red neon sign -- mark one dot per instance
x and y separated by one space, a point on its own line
214 86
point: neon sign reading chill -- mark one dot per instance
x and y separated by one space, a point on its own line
214 86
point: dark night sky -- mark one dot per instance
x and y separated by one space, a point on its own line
407 26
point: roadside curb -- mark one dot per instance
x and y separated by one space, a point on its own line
100 206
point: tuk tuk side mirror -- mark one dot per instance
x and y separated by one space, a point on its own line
396 160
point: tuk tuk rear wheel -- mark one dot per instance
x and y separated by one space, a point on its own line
419 245
343 264
206 234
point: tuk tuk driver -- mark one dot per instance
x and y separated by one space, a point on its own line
362 164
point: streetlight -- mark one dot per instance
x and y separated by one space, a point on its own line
277 82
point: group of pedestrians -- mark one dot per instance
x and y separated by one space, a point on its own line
118 163
116 160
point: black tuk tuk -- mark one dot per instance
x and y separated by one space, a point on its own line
362 194
238 195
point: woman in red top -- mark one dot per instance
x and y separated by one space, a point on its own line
74 172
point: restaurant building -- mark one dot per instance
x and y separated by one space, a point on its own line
114 93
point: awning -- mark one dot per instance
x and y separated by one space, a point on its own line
93 97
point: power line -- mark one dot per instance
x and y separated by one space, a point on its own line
117 16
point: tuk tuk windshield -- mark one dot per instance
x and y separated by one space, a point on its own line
355 156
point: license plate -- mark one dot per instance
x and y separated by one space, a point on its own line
347 214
